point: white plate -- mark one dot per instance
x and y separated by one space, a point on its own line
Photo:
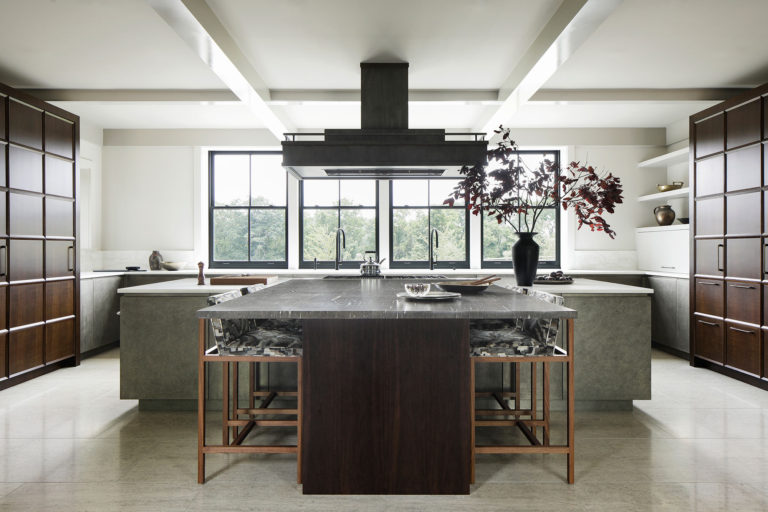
430 296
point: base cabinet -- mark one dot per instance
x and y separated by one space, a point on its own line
99 305
670 312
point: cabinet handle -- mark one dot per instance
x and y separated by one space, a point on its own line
742 286
3 260
708 284
713 324
719 258
741 330
71 260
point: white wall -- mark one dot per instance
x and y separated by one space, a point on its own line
90 164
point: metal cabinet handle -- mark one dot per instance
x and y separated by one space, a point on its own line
667 267
708 284
742 286
713 324
3 260
741 330
71 261
719 258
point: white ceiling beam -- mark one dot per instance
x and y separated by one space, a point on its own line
140 95
571 25
631 95
198 26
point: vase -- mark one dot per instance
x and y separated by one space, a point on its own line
525 258
154 260
665 215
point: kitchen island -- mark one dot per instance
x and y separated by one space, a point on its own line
386 403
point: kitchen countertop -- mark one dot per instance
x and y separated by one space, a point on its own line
369 299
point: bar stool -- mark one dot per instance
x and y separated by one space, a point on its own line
248 341
523 341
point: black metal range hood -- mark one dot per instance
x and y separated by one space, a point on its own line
384 146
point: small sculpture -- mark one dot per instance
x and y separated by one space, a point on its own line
154 260
200 275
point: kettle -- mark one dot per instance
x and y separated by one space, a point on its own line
370 267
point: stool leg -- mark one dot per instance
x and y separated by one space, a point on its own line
225 405
546 404
251 385
298 423
235 395
534 402
516 367
571 405
472 420
201 403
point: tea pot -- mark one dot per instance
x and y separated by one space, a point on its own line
371 267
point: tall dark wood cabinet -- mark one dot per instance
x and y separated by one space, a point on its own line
729 281
39 272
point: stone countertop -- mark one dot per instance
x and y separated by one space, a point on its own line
187 286
592 287
376 299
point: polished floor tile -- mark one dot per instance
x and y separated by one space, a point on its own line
68 443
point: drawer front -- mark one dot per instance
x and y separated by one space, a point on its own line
59 299
709 297
743 258
25 349
744 214
3 353
708 341
743 302
59 340
710 257
742 348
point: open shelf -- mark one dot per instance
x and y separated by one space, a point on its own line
676 226
663 196
673 157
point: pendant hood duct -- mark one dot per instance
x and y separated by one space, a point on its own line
384 146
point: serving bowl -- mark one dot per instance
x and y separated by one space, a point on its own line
172 265
674 186
463 287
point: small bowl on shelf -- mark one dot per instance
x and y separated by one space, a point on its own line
683 220
667 188
172 265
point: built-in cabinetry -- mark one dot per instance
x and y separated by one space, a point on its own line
670 313
99 321
663 249
39 329
728 281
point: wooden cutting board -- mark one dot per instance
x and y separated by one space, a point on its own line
244 279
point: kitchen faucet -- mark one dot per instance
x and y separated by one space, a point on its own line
341 246
432 248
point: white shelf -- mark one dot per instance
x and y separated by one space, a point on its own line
673 157
663 196
671 227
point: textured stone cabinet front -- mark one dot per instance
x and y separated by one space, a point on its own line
670 312
99 304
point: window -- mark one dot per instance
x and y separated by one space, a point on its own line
248 214
498 239
327 205
416 207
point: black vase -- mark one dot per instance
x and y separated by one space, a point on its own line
525 258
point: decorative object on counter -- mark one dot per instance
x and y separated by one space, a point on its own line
417 289
371 267
665 215
674 186
172 265
434 295
556 277
244 279
200 274
487 279
506 189
154 260
463 287
683 220
133 268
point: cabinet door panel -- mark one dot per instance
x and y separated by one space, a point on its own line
59 135
25 169
743 258
765 355
26 301
709 216
3 223
743 302
710 176
744 169
59 217
3 260
742 348
710 257
744 214
709 297
25 259
3 354
59 177
59 258
59 340
3 107
743 124
25 125
709 339
26 214
3 306
709 135
3 153
25 349
59 299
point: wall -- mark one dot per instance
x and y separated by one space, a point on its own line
91 140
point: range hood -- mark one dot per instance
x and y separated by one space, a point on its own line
384 146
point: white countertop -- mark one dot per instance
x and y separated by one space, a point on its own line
592 287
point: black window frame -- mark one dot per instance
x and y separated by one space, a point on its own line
556 207
213 263
443 264
330 264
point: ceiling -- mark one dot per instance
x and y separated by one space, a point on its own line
121 64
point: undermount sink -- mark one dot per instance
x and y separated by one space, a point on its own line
403 276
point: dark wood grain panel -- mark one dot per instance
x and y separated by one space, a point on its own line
743 124
59 135
742 348
25 349
59 258
743 258
3 167
26 304
744 214
3 307
744 168
709 339
59 177
25 259
3 260
59 217
3 354
25 125
709 297
743 302
59 340
710 257
3 108
26 214
3 212
710 216
710 176
710 135
25 169
765 354
371 420
59 298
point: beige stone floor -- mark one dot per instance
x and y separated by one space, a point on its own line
67 443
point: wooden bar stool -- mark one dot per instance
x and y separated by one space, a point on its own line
523 341
248 341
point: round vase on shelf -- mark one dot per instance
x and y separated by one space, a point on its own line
665 215
154 260
525 258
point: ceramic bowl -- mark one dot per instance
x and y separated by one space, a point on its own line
172 265
417 289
